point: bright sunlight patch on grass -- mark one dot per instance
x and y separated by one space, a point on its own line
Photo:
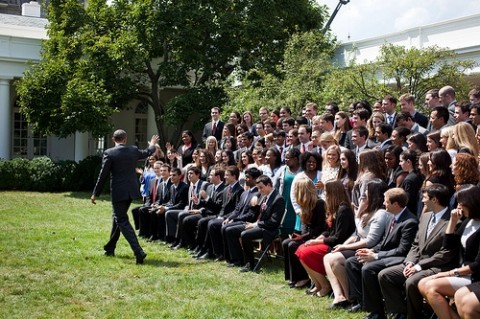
52 266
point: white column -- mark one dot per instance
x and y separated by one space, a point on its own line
81 146
151 124
5 120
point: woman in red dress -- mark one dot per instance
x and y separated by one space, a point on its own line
341 224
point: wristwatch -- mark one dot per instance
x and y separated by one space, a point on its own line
456 273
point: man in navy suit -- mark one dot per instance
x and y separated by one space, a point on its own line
243 214
230 199
178 201
157 221
363 268
215 127
119 163
427 257
271 210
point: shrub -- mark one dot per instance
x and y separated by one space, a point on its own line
43 175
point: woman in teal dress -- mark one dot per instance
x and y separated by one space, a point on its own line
283 181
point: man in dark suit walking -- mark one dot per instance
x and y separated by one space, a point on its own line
363 268
119 163
272 208
426 257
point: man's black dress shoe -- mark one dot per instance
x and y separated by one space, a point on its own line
375 315
204 256
233 264
110 253
246 268
220 258
355 308
152 239
140 257
398 316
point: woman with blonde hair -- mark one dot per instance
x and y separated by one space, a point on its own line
312 218
464 137
331 166
342 126
211 145
340 225
375 120
447 141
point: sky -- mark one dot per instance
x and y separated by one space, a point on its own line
362 19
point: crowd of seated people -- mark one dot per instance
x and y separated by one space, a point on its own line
379 208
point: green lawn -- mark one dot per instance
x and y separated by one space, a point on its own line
52 266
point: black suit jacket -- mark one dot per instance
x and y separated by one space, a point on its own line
213 203
429 252
317 224
207 131
244 212
201 185
396 244
421 119
160 198
120 162
230 200
271 218
179 197
471 253
412 185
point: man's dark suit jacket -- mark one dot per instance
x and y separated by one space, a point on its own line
421 119
213 204
429 252
202 185
412 185
207 131
230 199
179 197
120 162
243 211
271 218
160 197
396 244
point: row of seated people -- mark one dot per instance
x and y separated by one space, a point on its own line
367 270
391 261
214 220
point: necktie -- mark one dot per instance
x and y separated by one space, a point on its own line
303 148
392 225
263 207
192 195
164 187
390 119
154 193
214 127
431 225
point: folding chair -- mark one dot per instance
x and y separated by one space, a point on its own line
266 246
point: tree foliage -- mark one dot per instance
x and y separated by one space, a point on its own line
398 70
306 63
99 57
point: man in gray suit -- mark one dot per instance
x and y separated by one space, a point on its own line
426 257
119 163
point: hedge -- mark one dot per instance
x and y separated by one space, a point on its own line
44 175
